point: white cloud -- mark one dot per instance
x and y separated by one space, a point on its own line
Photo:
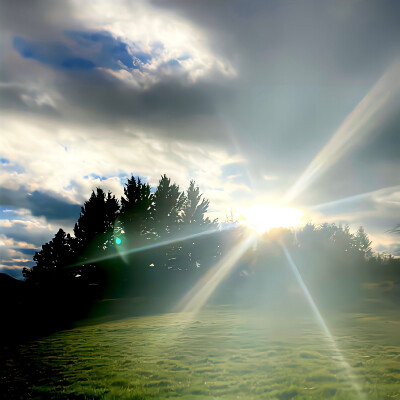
48 167
163 34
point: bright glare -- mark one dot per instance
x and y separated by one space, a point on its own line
262 218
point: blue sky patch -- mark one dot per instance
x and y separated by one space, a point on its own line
88 50
55 54
10 166
173 63
108 51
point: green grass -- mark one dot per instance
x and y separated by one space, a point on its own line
221 352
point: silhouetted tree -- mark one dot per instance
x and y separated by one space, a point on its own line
165 213
135 210
94 228
194 221
133 230
195 207
165 219
94 234
51 260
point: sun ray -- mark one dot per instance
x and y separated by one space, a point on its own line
355 197
150 246
195 299
360 122
337 353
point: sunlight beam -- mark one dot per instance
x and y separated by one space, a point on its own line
195 299
355 197
147 247
360 122
338 354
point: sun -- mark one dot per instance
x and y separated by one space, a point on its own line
262 218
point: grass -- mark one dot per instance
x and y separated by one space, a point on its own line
220 353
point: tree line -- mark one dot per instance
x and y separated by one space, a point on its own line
156 243
142 218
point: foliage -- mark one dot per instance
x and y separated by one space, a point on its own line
135 207
166 243
94 228
165 213
51 260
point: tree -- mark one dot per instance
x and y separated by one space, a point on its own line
94 233
194 208
343 239
135 209
165 212
362 242
165 219
51 260
94 228
194 221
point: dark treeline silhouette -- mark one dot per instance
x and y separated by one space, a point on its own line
116 243
155 244
150 243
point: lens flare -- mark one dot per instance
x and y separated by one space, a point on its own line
335 349
149 246
262 218
205 287
380 192
361 121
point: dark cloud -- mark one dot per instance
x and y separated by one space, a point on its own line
28 252
19 263
15 97
169 108
43 204
13 272
35 17
19 231
302 67
52 207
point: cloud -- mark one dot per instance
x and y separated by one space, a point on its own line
53 208
375 211
21 236
54 54
14 96
14 270
25 234
93 91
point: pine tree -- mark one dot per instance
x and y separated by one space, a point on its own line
165 212
343 239
94 228
135 210
194 221
362 242
195 208
165 219
51 260
94 235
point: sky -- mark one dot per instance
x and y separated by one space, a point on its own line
265 102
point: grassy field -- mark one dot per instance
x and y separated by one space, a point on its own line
222 352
